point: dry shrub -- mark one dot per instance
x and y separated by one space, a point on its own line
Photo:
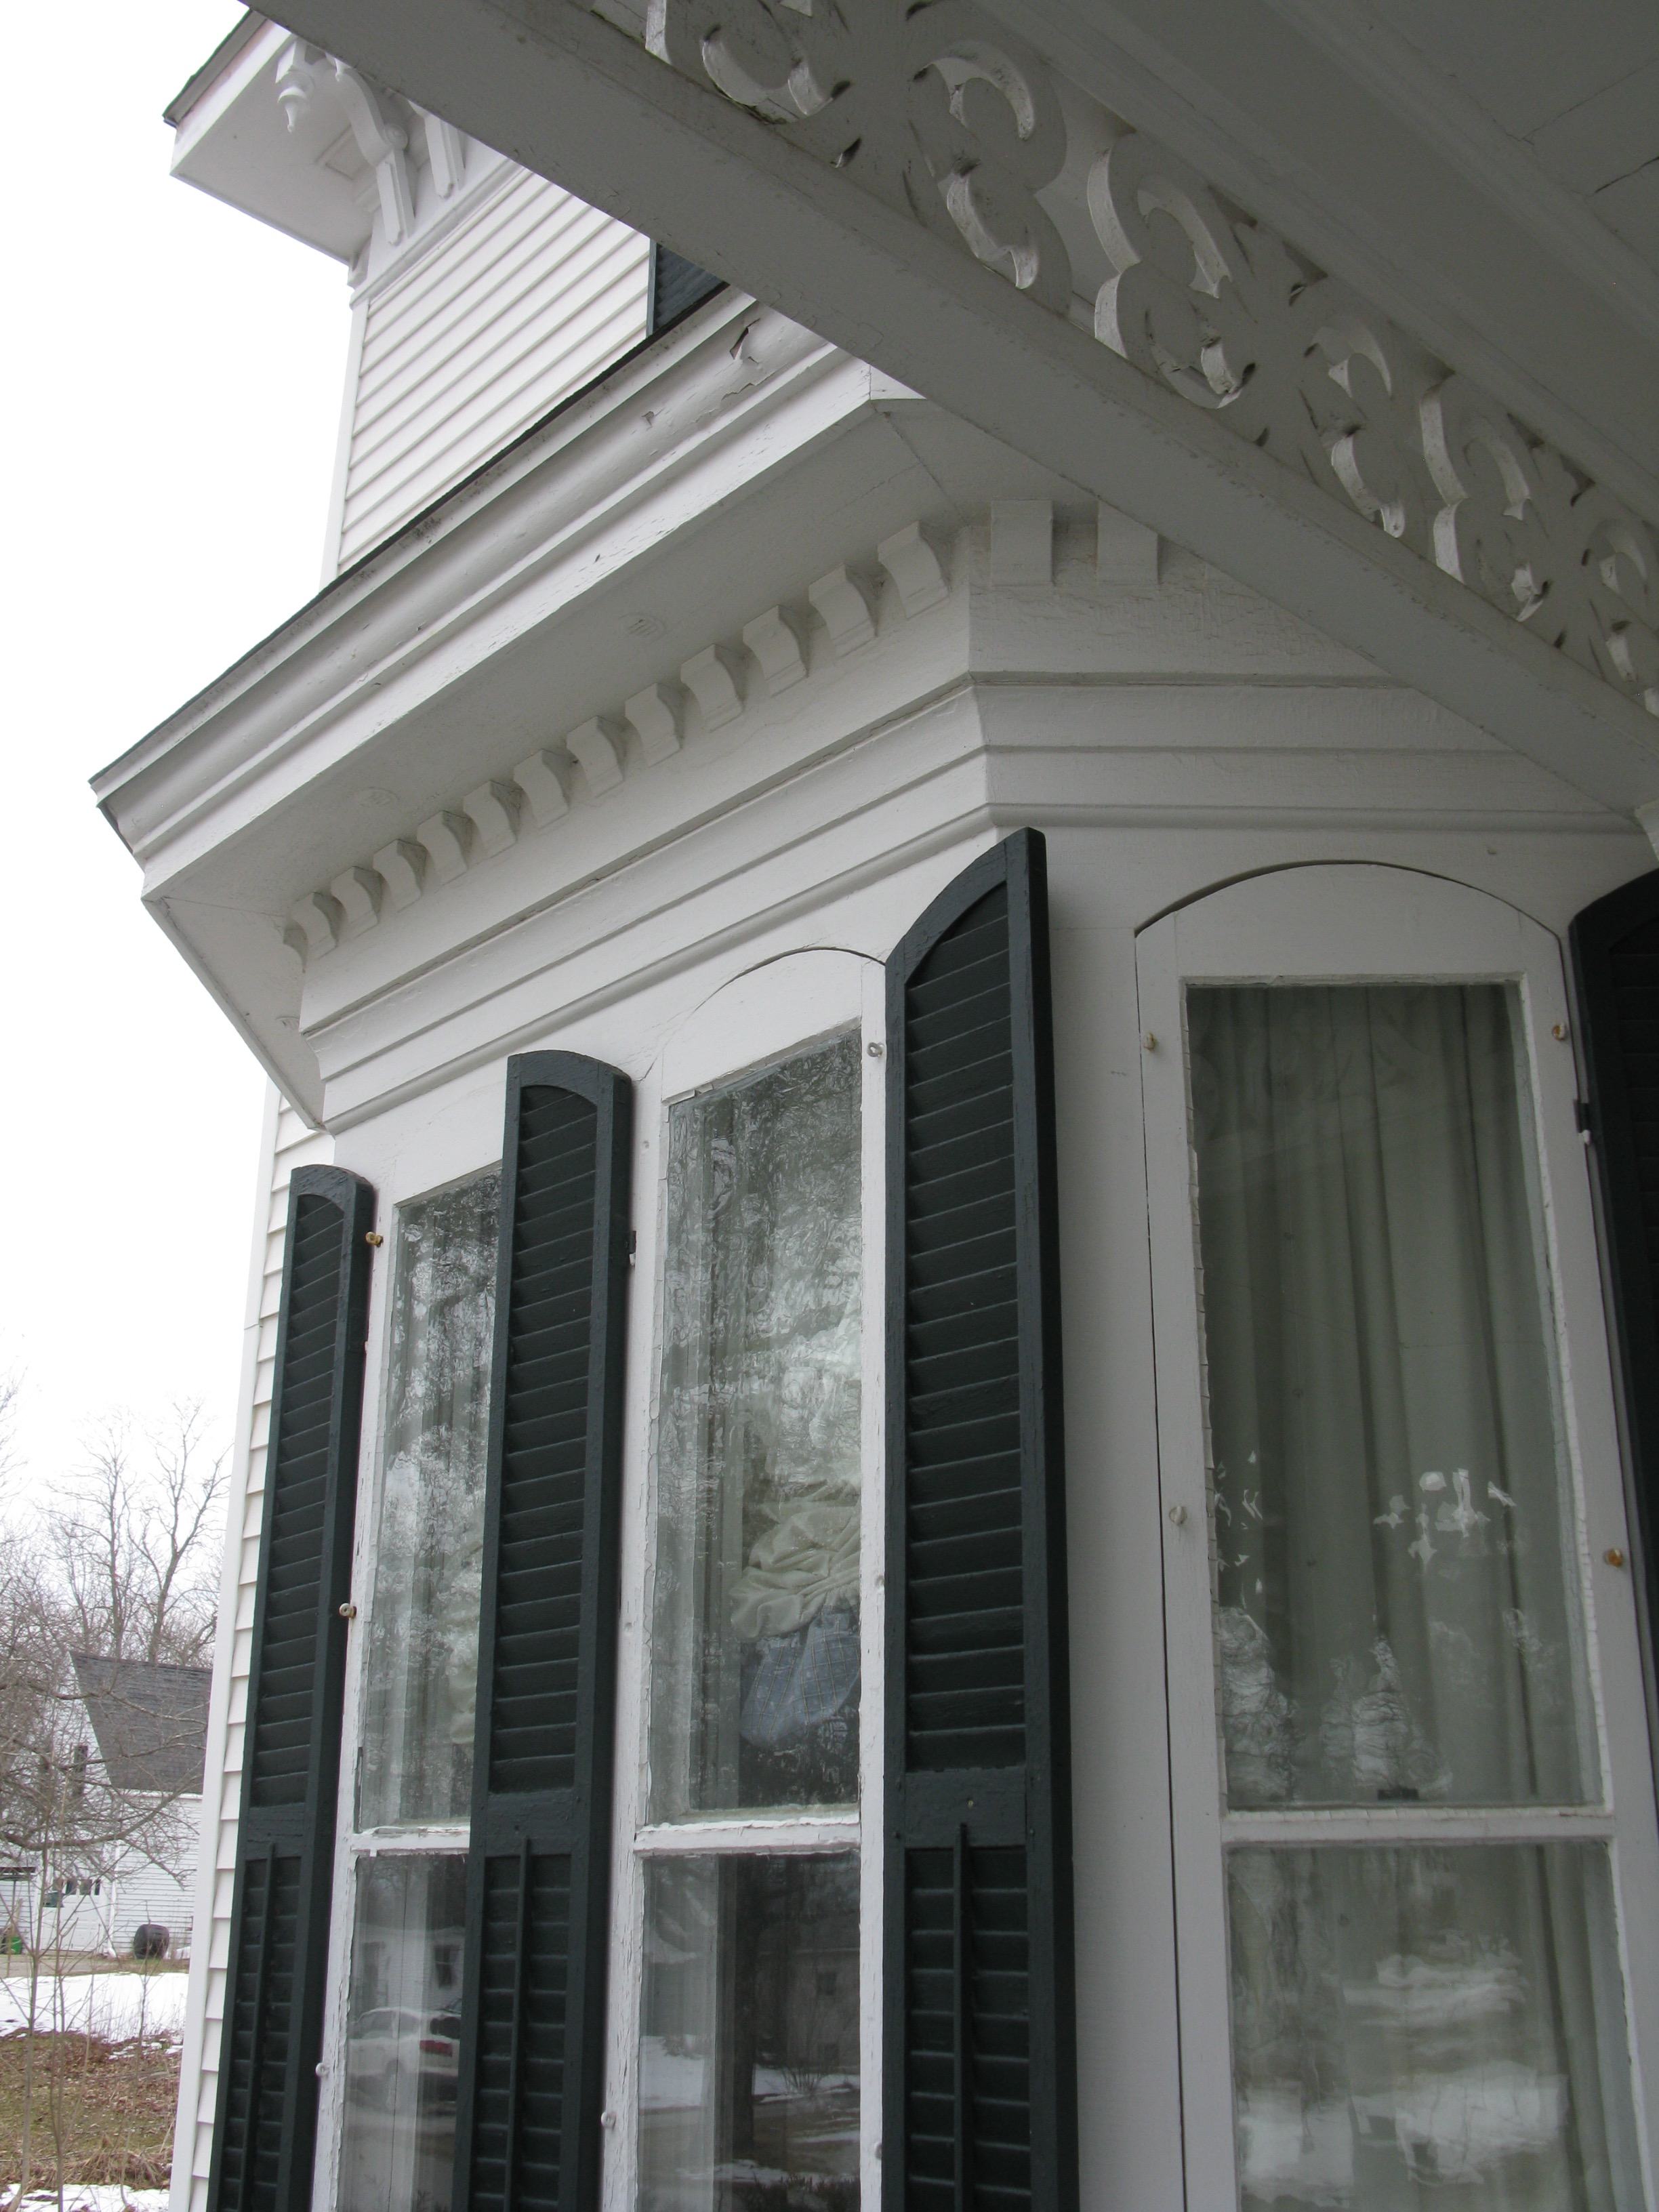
119 2101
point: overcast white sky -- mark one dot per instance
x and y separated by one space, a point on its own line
172 378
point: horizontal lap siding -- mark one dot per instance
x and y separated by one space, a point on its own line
529 299
291 1145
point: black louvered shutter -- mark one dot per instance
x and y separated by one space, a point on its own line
677 286
532 2042
1615 958
980 2074
265 2128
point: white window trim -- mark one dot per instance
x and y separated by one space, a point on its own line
428 1170
1352 924
759 1017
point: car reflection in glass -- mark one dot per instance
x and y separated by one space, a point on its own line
393 2052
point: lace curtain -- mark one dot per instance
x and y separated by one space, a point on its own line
1396 1622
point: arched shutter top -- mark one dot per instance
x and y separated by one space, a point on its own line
264 2131
531 2057
979 2090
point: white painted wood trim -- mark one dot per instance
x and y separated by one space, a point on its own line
1428 1824
787 1833
399 1182
1352 923
334 530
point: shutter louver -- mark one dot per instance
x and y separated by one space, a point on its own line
532 2059
264 2133
677 286
980 2095
1615 958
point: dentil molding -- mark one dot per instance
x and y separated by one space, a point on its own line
638 734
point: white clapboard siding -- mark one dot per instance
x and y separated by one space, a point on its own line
524 302
288 1145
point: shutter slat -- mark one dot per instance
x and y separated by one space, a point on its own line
532 2007
981 2075
264 2127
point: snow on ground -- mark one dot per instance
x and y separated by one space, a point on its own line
95 2196
120 2004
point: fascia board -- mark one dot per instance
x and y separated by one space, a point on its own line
253 777
437 566
566 94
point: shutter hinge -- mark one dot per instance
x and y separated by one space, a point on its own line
1582 1119
633 1243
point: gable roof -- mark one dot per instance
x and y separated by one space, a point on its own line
150 1720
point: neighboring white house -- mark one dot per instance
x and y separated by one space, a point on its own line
946 1490
140 1777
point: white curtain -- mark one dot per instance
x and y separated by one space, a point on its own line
1390 1492
1394 1616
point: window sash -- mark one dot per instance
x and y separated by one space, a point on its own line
1343 924
765 1016
407 1179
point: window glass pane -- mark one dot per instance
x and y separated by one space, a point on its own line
749 2035
1430 2027
402 2033
421 1674
1390 1489
755 1654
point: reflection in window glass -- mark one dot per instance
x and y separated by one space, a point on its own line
1430 2027
755 1657
749 2035
421 1674
1391 1491
402 2033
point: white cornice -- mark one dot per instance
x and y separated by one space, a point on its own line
554 492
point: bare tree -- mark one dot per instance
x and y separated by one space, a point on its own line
98 1595
138 1578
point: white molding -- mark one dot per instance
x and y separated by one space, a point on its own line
757 197
487 816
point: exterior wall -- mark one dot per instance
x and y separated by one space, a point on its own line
135 1890
1167 728
465 342
146 1892
1168 738
286 1144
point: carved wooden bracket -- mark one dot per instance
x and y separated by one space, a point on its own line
945 116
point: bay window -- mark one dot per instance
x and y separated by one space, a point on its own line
1402 1638
747 1894
407 1843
